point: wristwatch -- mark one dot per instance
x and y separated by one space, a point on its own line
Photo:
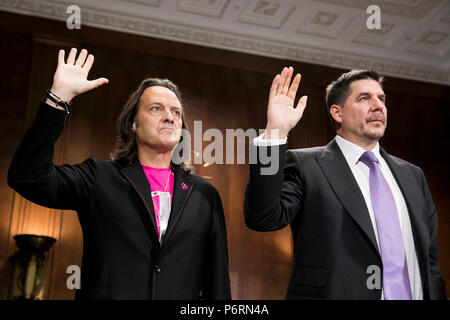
58 101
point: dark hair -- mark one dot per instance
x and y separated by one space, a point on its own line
125 150
339 90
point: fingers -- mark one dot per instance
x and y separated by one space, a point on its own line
61 54
72 55
294 87
81 61
81 58
285 87
287 80
88 63
282 80
274 87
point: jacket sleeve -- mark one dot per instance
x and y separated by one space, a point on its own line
435 274
32 172
273 200
216 280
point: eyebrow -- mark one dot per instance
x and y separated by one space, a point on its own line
162 105
368 93
362 94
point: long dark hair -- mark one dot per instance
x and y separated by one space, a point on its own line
125 151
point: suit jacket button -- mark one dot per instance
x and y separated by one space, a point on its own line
157 269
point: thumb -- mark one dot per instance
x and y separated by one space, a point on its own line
301 106
96 83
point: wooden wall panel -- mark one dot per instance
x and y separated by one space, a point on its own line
16 67
224 90
28 218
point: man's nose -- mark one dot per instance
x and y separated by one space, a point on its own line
168 116
377 104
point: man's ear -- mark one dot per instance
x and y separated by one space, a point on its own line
135 125
335 112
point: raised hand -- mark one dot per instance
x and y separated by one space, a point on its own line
70 78
281 114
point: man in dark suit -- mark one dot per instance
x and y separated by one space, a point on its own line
363 222
151 228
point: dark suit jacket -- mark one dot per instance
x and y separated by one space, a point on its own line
334 242
122 257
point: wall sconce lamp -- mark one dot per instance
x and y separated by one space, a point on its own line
28 267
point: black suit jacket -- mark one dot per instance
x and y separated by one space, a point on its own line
122 257
334 242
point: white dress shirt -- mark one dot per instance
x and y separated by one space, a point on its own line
352 153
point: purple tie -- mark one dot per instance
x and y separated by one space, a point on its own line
395 270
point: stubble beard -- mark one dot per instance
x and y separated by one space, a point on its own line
372 136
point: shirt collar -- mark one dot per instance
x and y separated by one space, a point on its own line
353 152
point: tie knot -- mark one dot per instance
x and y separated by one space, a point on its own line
368 158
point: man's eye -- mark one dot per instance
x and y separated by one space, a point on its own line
156 108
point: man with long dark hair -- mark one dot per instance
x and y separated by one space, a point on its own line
151 228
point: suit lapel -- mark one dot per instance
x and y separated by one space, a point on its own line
412 196
182 188
342 181
136 176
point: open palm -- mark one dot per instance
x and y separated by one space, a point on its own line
70 78
281 114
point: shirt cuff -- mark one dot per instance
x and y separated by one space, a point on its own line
261 142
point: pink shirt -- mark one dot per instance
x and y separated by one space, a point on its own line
161 184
